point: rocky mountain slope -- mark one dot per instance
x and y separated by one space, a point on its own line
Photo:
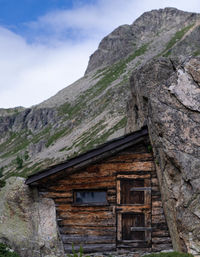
93 109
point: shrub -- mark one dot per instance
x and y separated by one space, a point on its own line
169 254
5 251
19 162
1 172
2 184
74 254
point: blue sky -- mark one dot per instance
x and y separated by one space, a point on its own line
45 44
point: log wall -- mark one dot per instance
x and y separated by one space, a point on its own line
95 227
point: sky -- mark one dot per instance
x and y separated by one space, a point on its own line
45 44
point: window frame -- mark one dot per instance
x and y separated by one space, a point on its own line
105 203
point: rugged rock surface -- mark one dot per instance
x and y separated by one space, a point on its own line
166 97
27 223
125 39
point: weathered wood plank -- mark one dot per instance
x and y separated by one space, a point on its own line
130 157
158 218
136 166
134 208
133 245
90 222
96 185
119 226
57 194
161 247
156 204
87 239
154 182
161 240
87 248
141 229
63 200
157 211
95 231
111 199
75 208
160 233
87 215
118 192
85 180
133 176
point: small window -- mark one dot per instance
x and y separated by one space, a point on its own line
90 197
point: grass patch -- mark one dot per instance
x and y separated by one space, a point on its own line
92 140
52 139
196 53
14 145
108 76
177 37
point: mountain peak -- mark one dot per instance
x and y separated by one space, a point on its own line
128 38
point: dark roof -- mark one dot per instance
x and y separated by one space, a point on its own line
98 153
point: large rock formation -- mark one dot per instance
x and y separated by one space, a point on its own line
28 223
166 97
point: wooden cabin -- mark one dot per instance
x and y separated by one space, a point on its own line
108 199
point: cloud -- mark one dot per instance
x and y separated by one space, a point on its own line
94 20
51 52
32 73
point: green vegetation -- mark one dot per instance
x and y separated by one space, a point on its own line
169 254
149 148
78 254
26 156
107 75
177 37
2 184
19 162
1 172
56 135
15 143
196 53
5 251
90 139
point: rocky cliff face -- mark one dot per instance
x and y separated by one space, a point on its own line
166 97
93 109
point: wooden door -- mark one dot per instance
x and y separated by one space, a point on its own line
134 211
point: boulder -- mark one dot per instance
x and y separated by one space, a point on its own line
166 98
27 222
